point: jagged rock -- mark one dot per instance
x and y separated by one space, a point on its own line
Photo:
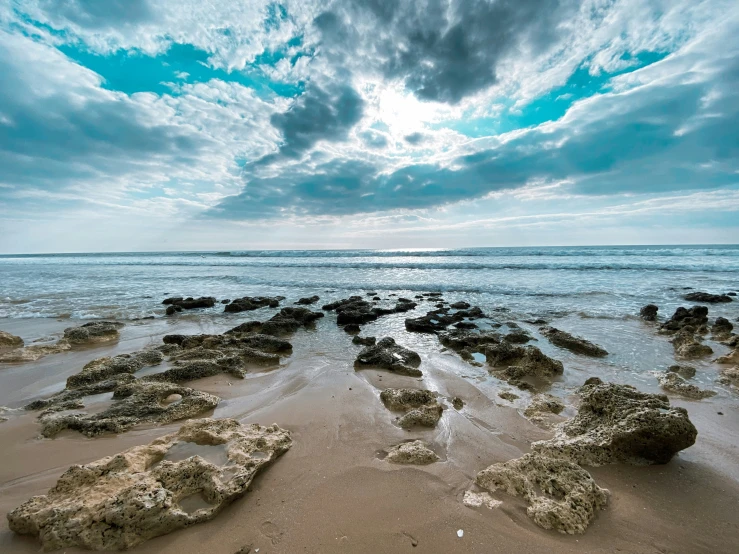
685 371
352 328
104 368
688 346
386 354
289 320
513 363
427 415
364 341
721 329
573 344
74 397
406 399
438 320
462 305
34 352
542 406
617 423
226 301
93 332
266 343
465 325
414 452
460 339
508 395
138 402
474 499
352 310
199 369
649 312
308 301
561 495
458 403
732 341
731 358
121 501
707 297
672 382
694 317
517 336
729 376
10 341
249 303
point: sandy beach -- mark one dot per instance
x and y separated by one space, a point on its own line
334 492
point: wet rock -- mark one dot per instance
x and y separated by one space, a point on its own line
364 341
33 352
406 399
177 303
672 382
386 354
514 363
427 415
250 303
414 452
171 310
136 403
352 310
75 397
729 376
649 312
266 343
289 320
707 297
226 301
721 329
574 344
10 341
465 325
93 332
308 301
404 305
199 369
104 368
617 423
352 328
561 495
542 406
685 371
460 305
508 395
730 358
121 501
683 317
462 339
458 403
438 320
688 346
517 336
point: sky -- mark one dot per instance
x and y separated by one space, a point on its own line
145 125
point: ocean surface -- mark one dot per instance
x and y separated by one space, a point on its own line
611 282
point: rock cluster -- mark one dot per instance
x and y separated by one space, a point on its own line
721 329
695 317
386 354
175 481
414 452
438 320
420 406
101 369
688 325
364 341
286 321
573 344
707 297
249 303
357 310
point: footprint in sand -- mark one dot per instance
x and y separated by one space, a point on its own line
271 531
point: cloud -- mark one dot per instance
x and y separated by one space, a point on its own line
93 14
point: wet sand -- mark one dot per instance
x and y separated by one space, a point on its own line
332 492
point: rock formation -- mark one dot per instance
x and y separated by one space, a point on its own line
420 406
707 297
414 452
672 382
573 344
386 354
649 312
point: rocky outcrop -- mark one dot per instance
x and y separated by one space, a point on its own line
93 332
413 452
561 495
438 320
10 341
177 303
356 310
249 303
573 344
33 352
721 329
695 317
684 371
617 423
135 403
518 336
386 354
542 407
104 368
462 339
308 301
514 363
729 376
649 312
508 395
689 346
364 341
707 297
672 382
730 358
420 406
176 481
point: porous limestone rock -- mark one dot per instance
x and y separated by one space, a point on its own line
542 406
694 317
684 371
420 406
721 329
308 300
514 363
508 395
688 345
135 403
34 352
729 376
474 499
104 368
730 358
93 332
572 343
386 354
672 382
414 452
175 481
617 423
10 341
561 495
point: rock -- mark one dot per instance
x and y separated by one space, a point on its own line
93 332
514 363
685 371
352 310
226 301
171 310
672 382
561 495
573 344
517 336
104 368
34 352
266 343
465 325
352 328
10 341
473 499
458 403
438 320
386 354
138 402
542 406
460 339
307 301
508 395
73 397
688 346
649 312
731 358
249 303
414 452
721 329
427 415
289 320
617 423
694 317
729 376
177 303
365 341
460 305
707 297
121 501
406 399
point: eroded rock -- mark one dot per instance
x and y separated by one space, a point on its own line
515 363
561 495
414 452
542 407
93 332
364 341
694 317
121 501
672 382
649 312
308 301
10 341
249 303
420 406
707 297
572 343
386 354
104 368
721 329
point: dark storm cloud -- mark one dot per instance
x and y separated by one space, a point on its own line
319 114
442 51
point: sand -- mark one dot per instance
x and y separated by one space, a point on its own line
333 492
